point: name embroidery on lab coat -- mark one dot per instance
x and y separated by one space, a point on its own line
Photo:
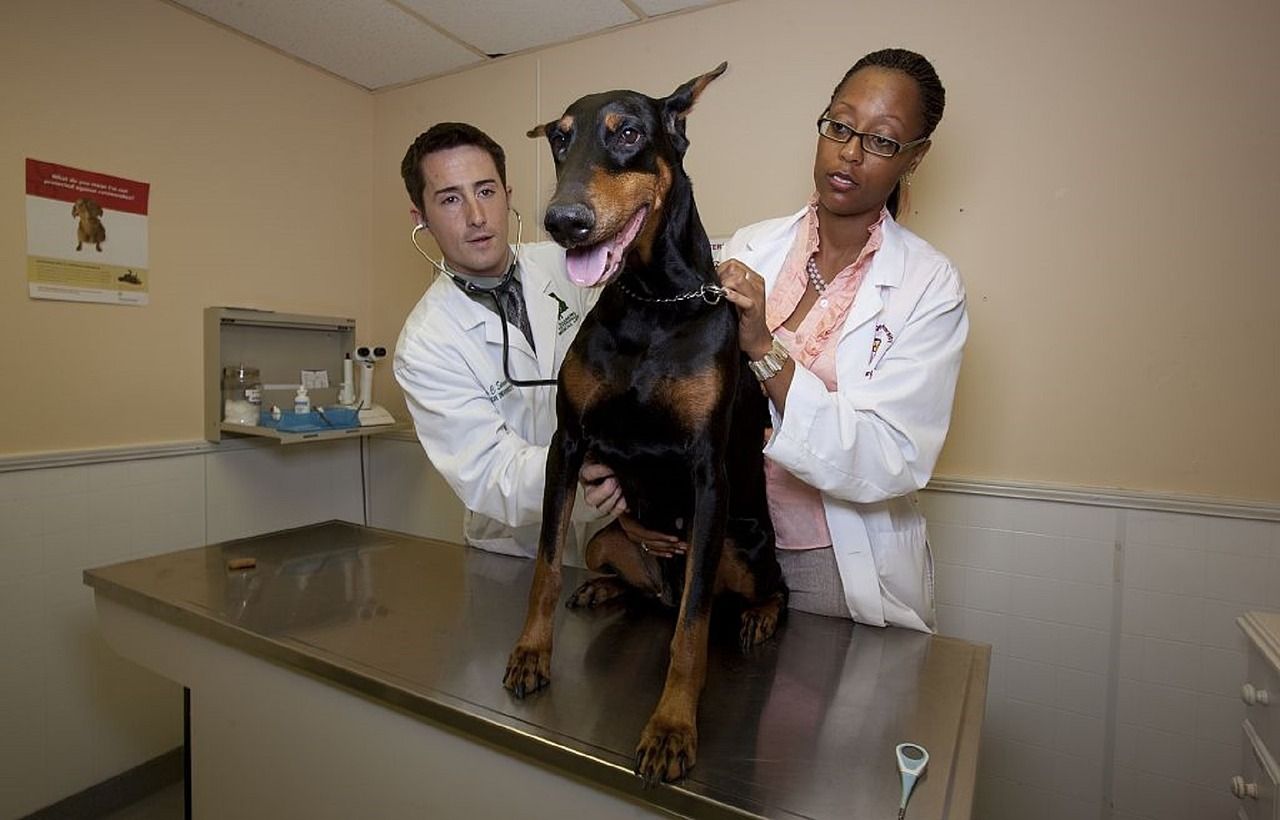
497 390
565 316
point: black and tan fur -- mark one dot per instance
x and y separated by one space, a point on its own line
659 392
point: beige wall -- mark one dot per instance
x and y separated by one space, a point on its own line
260 197
1115 259
1104 177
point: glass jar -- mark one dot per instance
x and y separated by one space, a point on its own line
241 395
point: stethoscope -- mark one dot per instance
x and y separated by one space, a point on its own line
492 293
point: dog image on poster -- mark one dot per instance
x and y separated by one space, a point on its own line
90 228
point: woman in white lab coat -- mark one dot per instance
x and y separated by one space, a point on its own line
855 326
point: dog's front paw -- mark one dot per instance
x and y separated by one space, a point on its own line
667 751
528 670
597 591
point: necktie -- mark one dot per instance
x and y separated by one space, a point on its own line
511 295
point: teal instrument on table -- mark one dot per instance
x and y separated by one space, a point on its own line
912 758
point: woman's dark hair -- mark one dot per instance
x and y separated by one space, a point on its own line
933 97
441 137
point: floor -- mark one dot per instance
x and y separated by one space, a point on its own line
166 804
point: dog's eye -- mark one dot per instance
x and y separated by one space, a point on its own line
630 136
559 140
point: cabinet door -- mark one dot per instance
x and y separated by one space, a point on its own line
1255 786
1261 694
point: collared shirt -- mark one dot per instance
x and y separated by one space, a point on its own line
512 296
795 507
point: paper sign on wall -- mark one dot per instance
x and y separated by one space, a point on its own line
717 249
86 235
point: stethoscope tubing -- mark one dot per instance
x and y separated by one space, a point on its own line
492 293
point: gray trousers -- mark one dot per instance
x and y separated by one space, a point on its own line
813 580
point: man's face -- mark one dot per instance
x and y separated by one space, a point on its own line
465 208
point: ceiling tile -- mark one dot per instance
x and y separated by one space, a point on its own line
655 7
370 42
506 26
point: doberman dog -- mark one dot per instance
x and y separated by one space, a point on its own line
655 387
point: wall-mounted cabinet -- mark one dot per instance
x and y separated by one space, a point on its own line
280 346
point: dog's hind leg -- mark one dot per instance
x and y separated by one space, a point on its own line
766 597
623 566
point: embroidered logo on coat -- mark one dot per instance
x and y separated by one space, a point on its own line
883 338
565 316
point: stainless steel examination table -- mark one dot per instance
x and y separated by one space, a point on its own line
357 673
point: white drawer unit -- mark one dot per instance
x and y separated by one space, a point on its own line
1255 785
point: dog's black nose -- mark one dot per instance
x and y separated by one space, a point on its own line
569 224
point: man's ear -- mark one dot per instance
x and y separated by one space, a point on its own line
416 217
676 107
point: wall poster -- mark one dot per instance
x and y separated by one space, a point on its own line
86 235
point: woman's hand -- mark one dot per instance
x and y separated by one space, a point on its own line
745 289
600 489
657 544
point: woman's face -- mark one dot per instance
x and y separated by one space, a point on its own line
849 180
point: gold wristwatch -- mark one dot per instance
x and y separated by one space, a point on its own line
772 362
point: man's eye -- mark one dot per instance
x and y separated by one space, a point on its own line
487 192
630 136
449 200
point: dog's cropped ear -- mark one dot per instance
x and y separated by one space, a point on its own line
677 106
538 131
75 209
94 208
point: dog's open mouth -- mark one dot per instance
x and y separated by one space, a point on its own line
592 265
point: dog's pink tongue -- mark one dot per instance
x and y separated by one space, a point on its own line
586 266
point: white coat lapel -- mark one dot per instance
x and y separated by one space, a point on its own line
867 304
765 252
885 272
543 310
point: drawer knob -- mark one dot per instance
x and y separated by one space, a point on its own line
1242 789
1254 696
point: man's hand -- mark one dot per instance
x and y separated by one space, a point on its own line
601 490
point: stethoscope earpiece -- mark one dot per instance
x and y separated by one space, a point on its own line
439 264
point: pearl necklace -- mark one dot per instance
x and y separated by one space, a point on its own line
811 268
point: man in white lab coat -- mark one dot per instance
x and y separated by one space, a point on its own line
484 433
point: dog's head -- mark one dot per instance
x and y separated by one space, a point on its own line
616 156
86 210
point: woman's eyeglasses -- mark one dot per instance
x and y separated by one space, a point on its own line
871 143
